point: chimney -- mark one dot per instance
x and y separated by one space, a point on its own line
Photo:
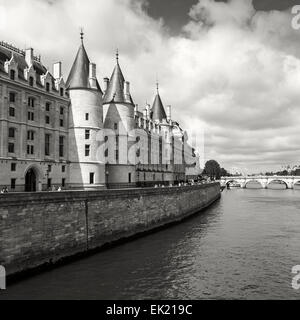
148 111
57 70
126 88
29 56
106 83
169 113
145 113
92 75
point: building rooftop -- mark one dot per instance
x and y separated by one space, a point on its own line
115 91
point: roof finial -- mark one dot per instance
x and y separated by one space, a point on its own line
117 55
81 34
157 84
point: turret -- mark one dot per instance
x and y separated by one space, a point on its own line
86 121
158 112
119 112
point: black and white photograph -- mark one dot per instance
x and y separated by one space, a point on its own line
150 151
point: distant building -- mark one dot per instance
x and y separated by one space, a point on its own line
76 136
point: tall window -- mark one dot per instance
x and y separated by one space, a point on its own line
61 146
12 74
61 92
11 148
87 150
30 135
61 122
47 120
31 101
47 86
129 177
63 182
48 105
12 97
115 126
87 116
92 178
11 111
30 149
61 111
13 167
47 144
87 134
11 132
13 184
30 116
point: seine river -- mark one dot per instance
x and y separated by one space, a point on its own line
243 247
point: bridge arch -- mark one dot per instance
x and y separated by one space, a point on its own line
296 183
278 180
232 180
254 180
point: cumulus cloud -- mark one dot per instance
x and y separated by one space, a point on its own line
232 71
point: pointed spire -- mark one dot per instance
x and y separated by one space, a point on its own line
115 91
158 112
79 74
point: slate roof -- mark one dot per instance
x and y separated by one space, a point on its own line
79 74
19 57
158 111
115 90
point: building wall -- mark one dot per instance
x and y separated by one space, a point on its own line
59 110
51 226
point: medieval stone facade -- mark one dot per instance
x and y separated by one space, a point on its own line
75 135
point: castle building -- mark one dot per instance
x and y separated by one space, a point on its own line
79 136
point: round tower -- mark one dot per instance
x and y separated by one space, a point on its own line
86 120
118 110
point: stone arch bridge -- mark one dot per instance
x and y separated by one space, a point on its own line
265 181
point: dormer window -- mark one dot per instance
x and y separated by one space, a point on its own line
12 74
31 81
48 87
61 92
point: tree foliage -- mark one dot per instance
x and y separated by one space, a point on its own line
212 169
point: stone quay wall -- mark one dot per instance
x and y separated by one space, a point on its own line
41 228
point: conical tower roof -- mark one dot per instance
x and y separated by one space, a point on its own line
79 74
158 111
115 91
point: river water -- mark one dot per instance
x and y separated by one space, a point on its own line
243 247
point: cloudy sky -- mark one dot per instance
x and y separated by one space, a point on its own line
230 68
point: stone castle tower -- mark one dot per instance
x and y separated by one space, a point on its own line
118 113
85 122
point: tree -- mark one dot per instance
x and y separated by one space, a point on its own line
224 173
212 169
